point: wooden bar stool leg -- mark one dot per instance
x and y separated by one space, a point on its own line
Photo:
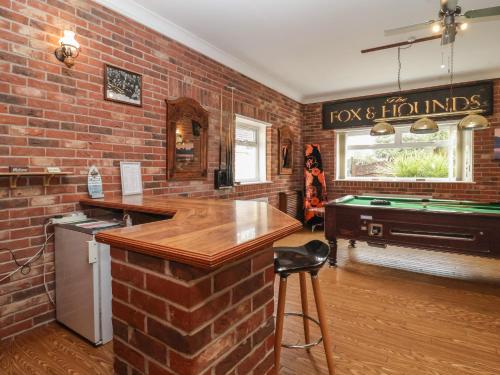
280 315
305 309
323 323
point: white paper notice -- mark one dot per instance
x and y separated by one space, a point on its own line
131 178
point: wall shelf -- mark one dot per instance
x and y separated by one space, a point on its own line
47 176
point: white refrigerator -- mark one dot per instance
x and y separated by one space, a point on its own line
83 279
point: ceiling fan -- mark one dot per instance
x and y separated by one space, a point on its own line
445 28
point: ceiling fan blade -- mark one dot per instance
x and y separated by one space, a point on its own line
407 29
485 12
399 44
462 19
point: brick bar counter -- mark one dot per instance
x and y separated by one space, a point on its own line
193 295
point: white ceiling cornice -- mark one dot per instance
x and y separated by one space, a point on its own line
319 73
418 84
166 27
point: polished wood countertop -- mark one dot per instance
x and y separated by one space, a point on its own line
205 233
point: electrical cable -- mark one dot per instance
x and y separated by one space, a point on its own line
399 64
451 68
43 252
24 268
36 256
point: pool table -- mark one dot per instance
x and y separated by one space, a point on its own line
436 224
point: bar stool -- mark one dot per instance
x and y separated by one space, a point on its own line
289 260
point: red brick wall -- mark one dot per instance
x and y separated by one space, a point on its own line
187 321
54 116
486 186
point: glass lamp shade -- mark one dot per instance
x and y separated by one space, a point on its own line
473 122
382 128
69 39
68 50
424 126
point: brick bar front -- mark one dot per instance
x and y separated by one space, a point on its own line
171 318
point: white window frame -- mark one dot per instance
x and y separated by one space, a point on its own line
261 163
462 141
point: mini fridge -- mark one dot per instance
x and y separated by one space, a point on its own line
83 279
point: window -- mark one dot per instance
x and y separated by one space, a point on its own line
404 156
250 150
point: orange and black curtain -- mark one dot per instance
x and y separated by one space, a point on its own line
315 192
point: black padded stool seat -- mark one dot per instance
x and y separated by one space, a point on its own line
307 258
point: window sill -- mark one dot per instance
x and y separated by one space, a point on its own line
403 181
252 183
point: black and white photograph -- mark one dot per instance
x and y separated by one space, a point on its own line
122 86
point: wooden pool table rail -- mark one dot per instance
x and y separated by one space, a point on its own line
473 233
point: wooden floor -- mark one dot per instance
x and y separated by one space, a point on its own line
392 321
443 317
53 350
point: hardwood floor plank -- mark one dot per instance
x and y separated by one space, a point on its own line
383 321
54 350
392 321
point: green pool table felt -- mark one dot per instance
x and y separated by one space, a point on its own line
441 205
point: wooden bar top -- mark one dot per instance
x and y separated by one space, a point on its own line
205 233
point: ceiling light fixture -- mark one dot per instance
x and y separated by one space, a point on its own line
424 126
382 128
473 122
436 28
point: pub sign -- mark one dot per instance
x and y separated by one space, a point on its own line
352 113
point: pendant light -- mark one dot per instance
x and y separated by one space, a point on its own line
424 126
473 122
382 128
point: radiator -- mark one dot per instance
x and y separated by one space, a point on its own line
291 203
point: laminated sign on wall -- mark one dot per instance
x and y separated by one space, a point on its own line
94 183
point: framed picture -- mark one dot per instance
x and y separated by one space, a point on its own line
497 144
122 86
285 142
131 178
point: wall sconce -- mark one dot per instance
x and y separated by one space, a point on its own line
68 50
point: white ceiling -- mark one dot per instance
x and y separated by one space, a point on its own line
310 49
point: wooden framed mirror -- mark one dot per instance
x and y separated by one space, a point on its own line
285 148
187 140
